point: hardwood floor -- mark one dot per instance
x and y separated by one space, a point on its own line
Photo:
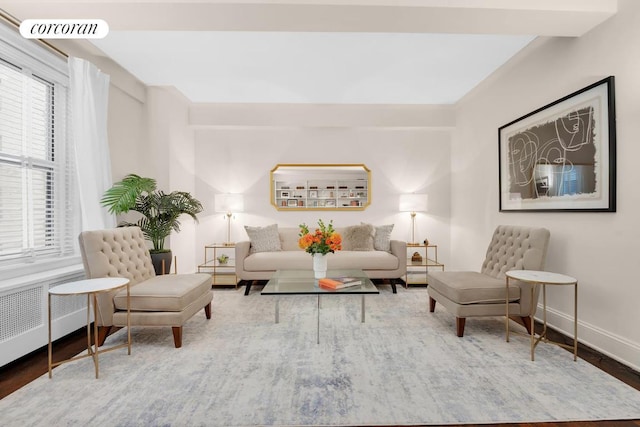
28 368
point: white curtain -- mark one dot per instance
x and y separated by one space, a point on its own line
89 100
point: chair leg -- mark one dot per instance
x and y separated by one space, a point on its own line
177 336
460 321
432 305
207 310
526 320
103 333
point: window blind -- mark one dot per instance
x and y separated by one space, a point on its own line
39 211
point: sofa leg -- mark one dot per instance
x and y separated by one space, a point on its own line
177 336
207 310
393 286
247 288
460 325
432 305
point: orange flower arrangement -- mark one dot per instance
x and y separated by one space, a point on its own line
322 241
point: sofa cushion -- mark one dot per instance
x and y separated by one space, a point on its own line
289 237
170 292
264 239
382 237
470 287
300 260
358 238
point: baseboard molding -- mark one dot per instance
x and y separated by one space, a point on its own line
616 347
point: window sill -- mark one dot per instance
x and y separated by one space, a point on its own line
40 272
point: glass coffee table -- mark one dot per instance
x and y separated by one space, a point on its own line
302 282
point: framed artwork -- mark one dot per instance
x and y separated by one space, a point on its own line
292 202
285 194
561 157
313 194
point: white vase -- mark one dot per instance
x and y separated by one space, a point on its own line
319 266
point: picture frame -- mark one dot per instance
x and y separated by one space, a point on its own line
313 194
561 157
285 194
292 203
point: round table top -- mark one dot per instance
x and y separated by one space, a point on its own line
541 277
89 286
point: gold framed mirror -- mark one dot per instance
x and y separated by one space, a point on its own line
320 187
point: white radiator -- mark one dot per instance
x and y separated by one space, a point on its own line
24 317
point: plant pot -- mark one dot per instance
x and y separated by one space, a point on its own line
157 258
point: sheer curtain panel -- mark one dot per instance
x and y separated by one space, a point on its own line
89 103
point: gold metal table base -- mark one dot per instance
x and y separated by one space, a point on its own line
92 349
542 337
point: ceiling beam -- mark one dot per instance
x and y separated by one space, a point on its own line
518 17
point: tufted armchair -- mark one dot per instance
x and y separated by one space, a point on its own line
473 294
168 300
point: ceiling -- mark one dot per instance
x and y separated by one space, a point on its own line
321 51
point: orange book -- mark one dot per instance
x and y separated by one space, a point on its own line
339 282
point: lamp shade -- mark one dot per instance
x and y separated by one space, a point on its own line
229 203
413 202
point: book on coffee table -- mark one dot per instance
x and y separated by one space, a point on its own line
339 282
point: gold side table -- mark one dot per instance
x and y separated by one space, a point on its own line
425 263
221 274
544 278
91 287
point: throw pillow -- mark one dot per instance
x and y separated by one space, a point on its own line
359 237
382 237
264 239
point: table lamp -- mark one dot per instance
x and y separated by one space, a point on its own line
229 204
413 203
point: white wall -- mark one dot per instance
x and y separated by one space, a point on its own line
401 160
600 249
169 156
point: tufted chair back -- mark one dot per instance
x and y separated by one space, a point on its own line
515 248
117 252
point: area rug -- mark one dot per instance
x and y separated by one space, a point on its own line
403 366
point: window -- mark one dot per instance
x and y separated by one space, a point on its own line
38 201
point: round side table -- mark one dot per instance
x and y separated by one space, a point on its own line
536 278
91 287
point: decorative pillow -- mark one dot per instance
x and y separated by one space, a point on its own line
359 238
382 237
264 239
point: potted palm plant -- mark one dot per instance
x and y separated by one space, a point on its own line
160 212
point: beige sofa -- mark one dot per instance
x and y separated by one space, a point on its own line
377 264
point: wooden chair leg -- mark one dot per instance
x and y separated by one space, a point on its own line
103 333
460 321
207 310
432 305
177 336
526 320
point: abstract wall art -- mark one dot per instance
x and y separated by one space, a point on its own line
561 157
